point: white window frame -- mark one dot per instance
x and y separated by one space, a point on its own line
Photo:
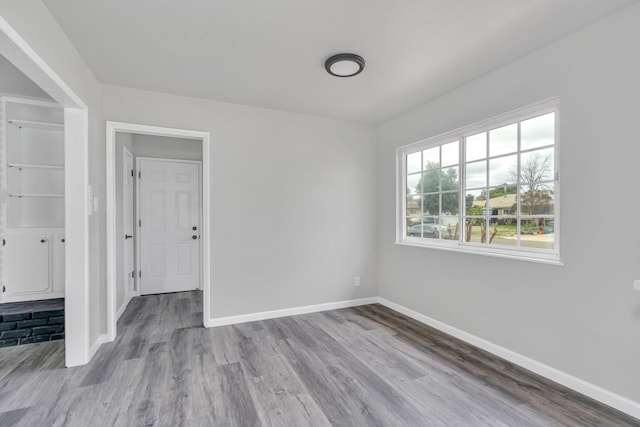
548 256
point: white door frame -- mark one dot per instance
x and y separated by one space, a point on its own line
76 159
112 128
138 210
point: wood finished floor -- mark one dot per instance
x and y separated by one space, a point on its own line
365 366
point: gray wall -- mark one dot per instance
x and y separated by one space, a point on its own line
582 318
166 147
14 82
292 196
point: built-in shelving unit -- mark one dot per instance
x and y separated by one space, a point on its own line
33 166
32 124
32 198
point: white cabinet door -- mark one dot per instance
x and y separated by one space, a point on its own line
28 265
169 197
58 263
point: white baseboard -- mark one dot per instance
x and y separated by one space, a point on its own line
252 317
123 308
607 397
96 346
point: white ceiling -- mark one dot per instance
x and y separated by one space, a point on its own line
271 53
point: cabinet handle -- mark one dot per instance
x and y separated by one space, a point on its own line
42 240
126 236
62 240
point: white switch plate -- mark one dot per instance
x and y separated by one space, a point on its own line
89 200
636 285
356 281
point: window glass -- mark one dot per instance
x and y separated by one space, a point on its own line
476 147
537 132
502 196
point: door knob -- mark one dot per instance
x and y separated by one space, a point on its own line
194 228
126 236
194 237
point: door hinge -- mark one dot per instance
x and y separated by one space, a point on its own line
139 174
139 223
4 289
140 273
4 242
133 274
132 172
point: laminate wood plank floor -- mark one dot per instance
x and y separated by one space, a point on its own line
363 366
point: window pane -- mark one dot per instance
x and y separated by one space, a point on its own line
503 231
431 181
505 204
476 174
537 132
474 202
503 140
476 147
431 205
474 230
536 166
424 230
503 170
450 227
413 183
537 200
450 203
413 209
431 158
450 179
537 233
450 154
414 162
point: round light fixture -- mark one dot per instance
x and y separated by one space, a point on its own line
344 65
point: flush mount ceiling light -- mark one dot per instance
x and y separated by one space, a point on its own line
344 65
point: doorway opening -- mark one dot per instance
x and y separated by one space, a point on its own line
157 214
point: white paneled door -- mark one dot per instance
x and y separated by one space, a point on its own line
169 227
128 262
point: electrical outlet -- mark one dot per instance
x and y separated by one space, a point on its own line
636 285
356 281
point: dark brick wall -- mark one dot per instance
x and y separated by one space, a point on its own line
31 327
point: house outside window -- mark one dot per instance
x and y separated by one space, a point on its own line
490 188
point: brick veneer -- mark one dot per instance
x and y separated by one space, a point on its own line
31 323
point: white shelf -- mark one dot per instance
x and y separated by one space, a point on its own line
20 195
30 124
34 166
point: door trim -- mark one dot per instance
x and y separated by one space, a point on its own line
137 217
111 211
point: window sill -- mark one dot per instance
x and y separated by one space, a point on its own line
551 259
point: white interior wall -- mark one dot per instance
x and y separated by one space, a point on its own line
293 200
14 82
166 147
582 318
